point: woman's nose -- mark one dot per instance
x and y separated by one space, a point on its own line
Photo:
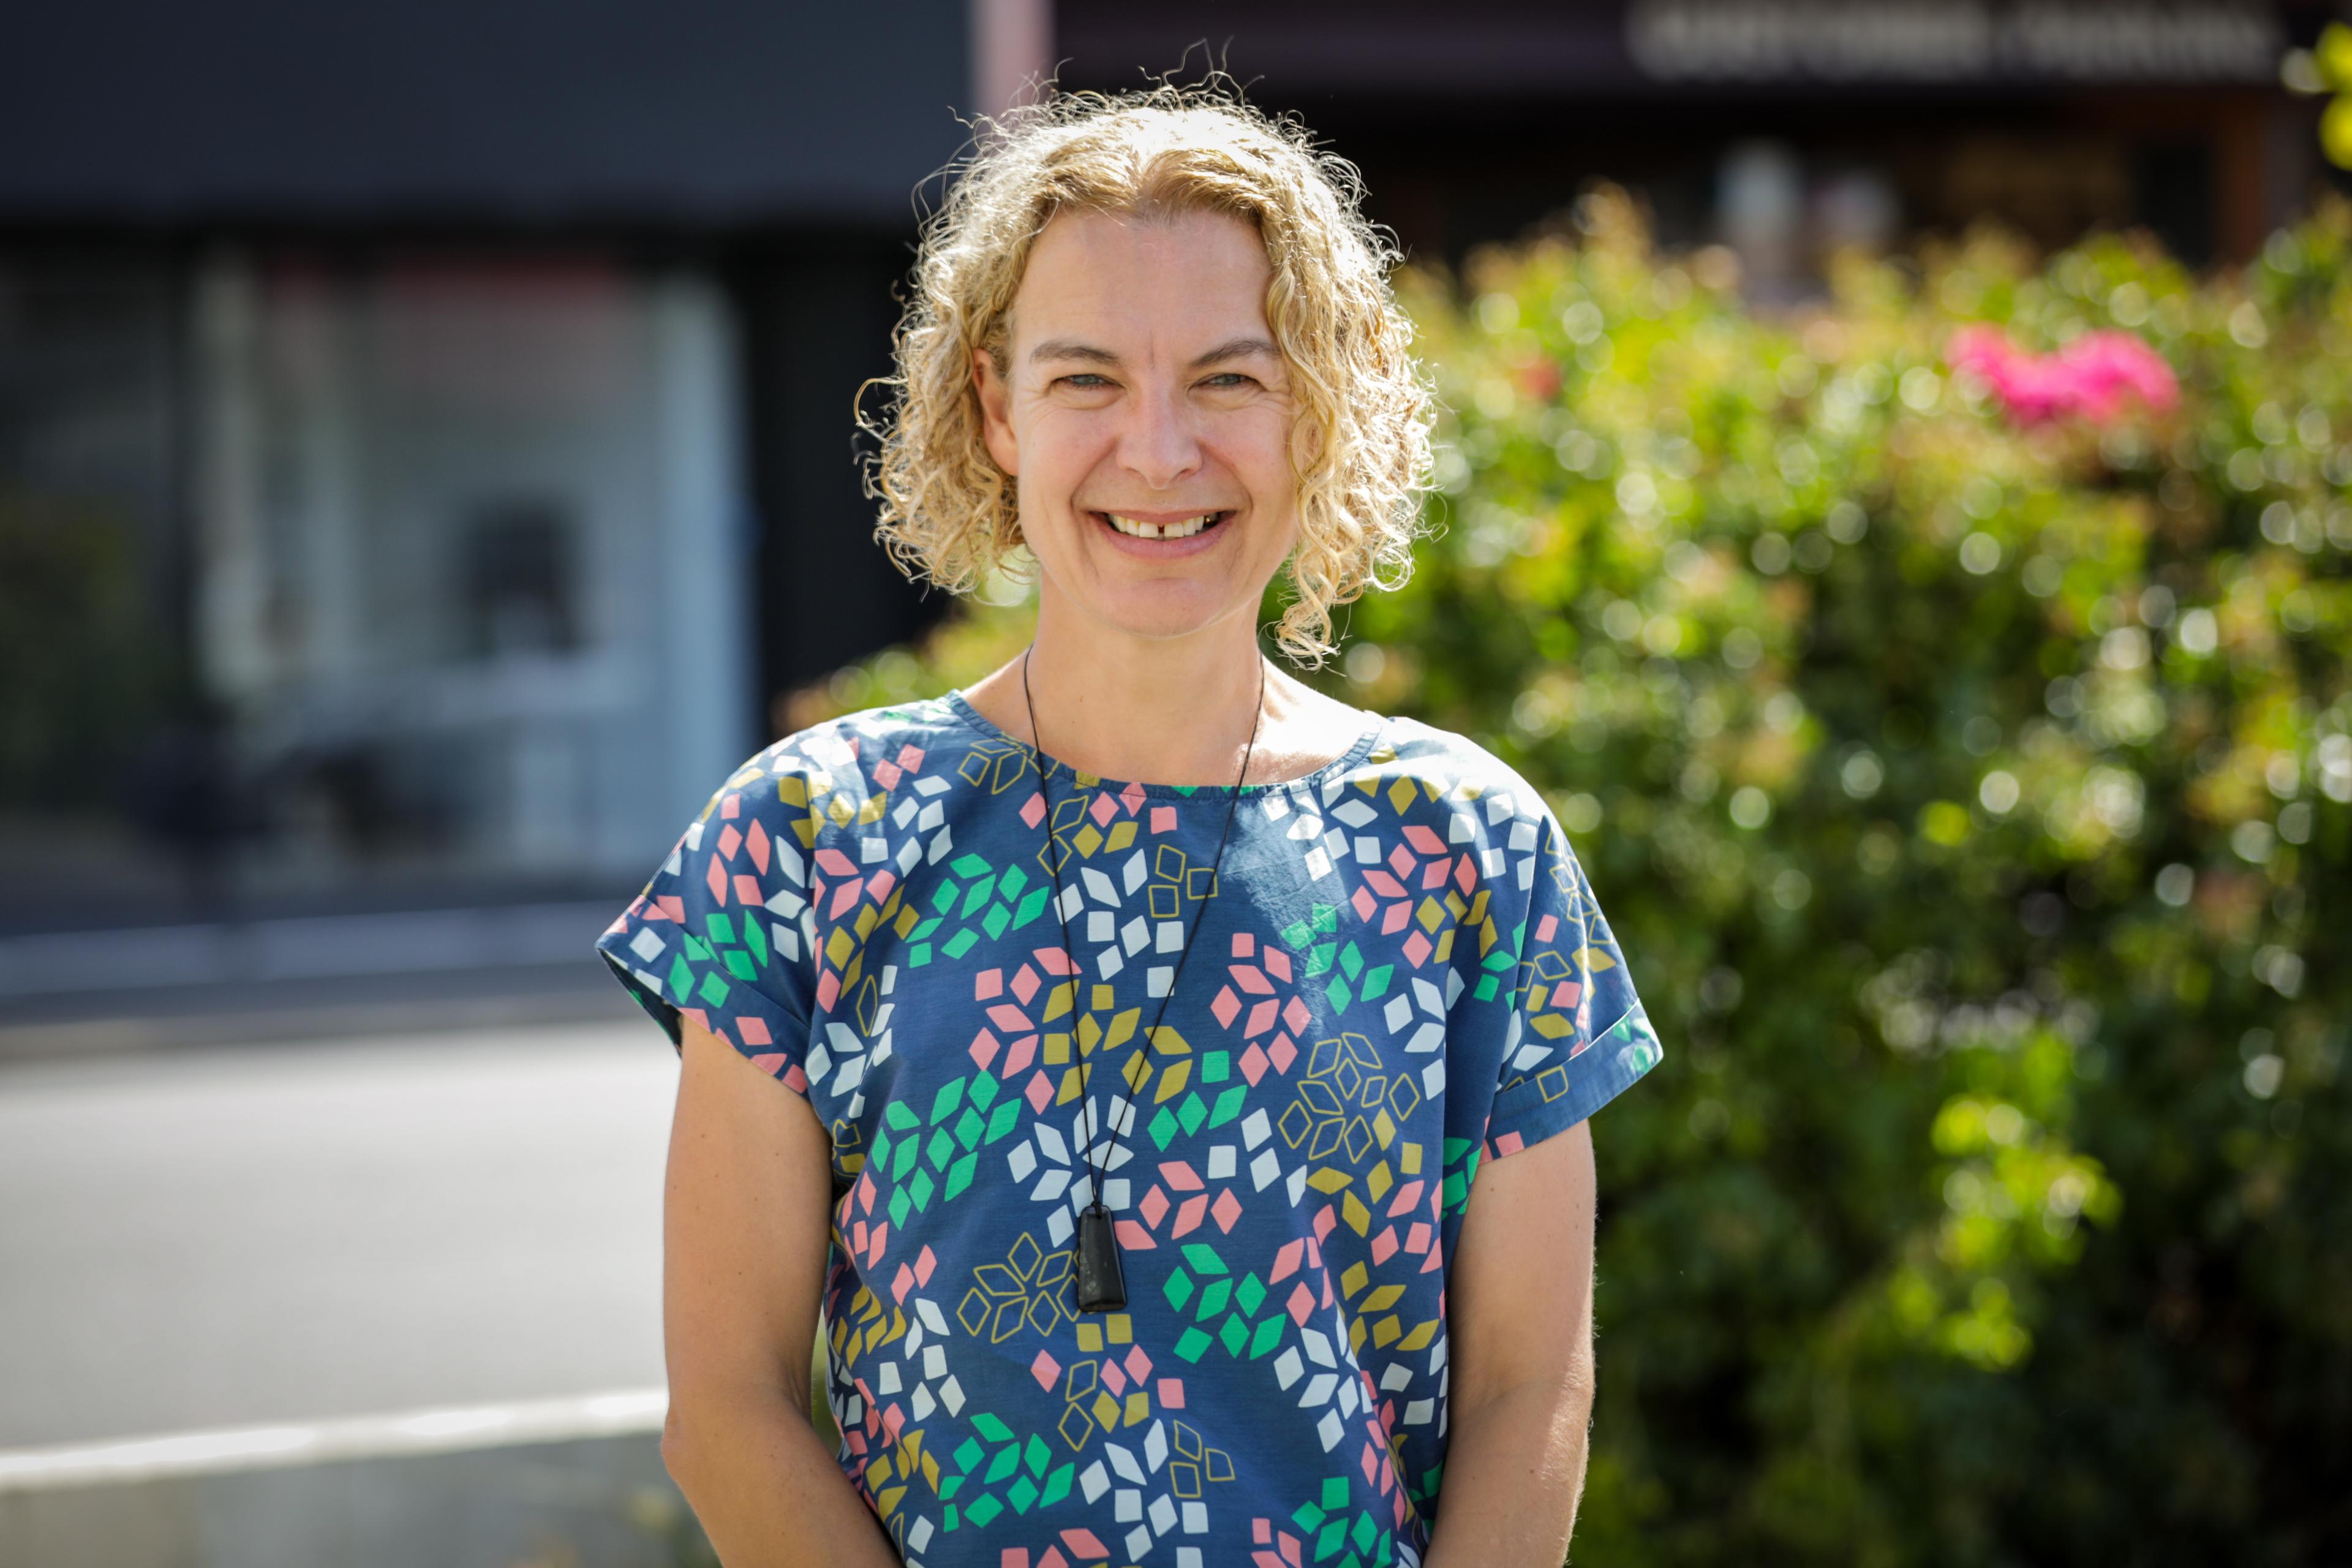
1160 446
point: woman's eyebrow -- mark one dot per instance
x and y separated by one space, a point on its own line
1236 348
1063 348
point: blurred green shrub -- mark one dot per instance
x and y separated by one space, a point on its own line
1970 798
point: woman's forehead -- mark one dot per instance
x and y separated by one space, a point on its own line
1129 273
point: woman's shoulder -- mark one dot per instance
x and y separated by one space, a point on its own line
870 751
1447 768
844 771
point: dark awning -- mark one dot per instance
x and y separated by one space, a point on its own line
563 111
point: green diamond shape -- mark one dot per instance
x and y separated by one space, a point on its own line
1162 1127
1192 1345
1192 1113
960 1174
1179 1289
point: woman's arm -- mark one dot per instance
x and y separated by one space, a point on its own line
1519 1329
745 1218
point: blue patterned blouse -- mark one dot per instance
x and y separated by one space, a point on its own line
1400 970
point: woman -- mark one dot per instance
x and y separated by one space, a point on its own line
1145 1014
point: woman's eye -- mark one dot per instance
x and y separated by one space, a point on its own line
1227 379
1086 381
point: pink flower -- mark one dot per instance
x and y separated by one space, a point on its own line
2092 376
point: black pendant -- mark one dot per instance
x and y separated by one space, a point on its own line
1102 1286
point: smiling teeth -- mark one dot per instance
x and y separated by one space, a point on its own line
1184 530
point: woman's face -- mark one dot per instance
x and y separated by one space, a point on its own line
1147 414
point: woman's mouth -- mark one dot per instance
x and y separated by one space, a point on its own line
1161 528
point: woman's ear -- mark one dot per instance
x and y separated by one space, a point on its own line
995 412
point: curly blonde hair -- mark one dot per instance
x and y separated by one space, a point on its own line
1361 445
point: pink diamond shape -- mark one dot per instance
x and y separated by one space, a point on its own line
1114 1379
1227 1209
1033 810
1138 1365
1227 1006
1296 1015
1044 1369
1103 810
1282 1053
1253 1065
1154 1205
1301 1302
1277 964
1038 1092
1417 949
1025 983
1163 820
1172 1392
1132 798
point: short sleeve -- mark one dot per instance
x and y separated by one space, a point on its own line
717 936
1578 1036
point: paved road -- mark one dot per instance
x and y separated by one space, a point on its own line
209 1238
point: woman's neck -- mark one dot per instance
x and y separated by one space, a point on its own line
1175 711
1163 712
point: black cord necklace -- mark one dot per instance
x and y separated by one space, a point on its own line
1101 1283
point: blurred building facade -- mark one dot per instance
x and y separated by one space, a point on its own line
1788 126
425 432
425 439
